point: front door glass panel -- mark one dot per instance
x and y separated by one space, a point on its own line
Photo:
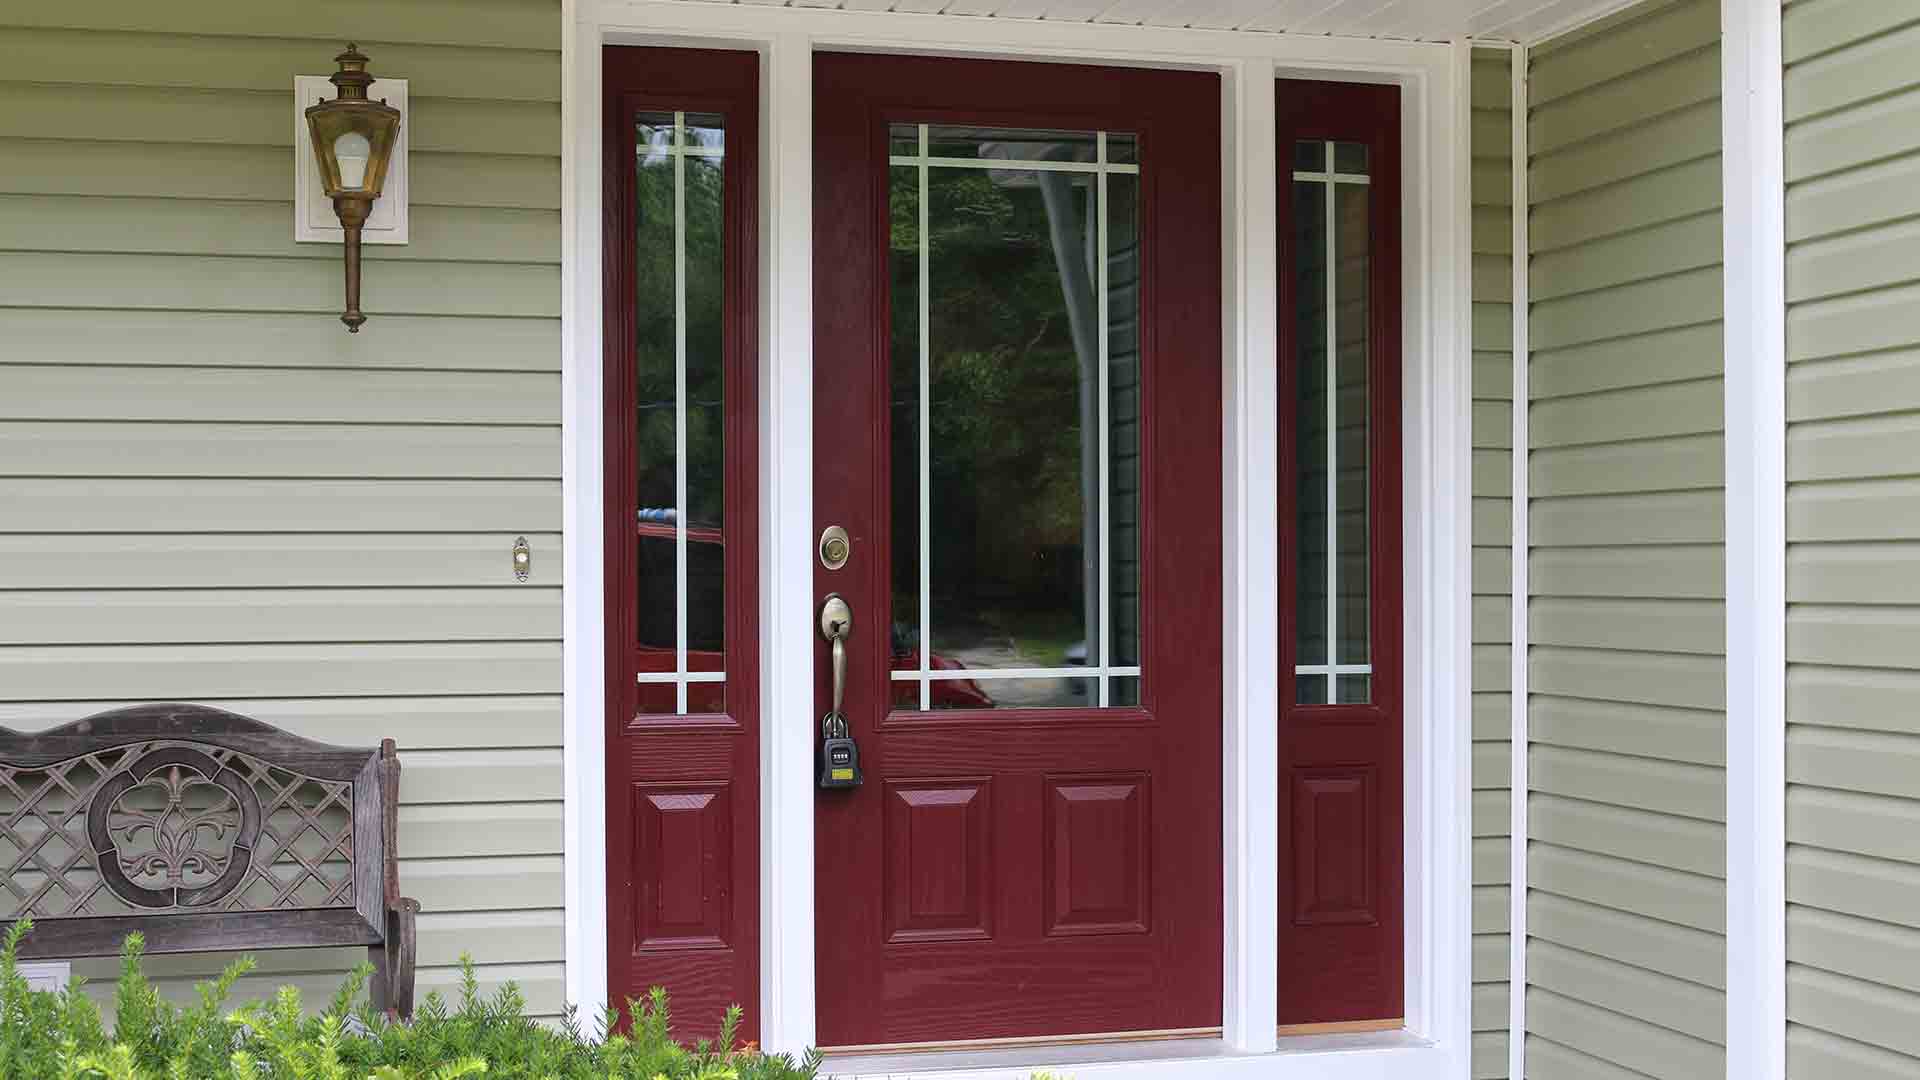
1014 275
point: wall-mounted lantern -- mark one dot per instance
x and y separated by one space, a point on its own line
353 139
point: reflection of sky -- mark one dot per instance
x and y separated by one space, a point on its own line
655 142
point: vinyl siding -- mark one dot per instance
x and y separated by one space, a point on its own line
1853 556
214 493
1626 623
1492 135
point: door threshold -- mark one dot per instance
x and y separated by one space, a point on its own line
1021 1042
1394 1054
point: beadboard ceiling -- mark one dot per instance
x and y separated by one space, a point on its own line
1414 20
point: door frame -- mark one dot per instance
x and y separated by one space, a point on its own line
1436 460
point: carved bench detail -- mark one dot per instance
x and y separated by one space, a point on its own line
206 831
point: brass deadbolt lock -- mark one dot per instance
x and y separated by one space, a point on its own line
834 547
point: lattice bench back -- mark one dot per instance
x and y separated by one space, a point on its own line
205 831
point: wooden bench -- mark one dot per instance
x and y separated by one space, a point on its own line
206 832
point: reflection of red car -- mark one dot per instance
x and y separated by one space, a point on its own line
706 627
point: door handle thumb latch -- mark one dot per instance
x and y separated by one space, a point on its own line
839 757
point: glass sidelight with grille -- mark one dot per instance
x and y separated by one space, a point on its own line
1332 250
1015 296
679 448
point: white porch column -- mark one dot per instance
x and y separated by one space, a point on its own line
1252 601
786 551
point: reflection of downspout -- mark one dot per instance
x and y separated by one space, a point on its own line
1074 253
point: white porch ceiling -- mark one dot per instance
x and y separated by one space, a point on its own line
1412 20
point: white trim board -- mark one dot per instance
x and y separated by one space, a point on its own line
1437 470
1754 239
1518 784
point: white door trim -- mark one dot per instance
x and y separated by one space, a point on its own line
1437 470
1754 163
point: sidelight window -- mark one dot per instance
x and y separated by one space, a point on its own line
1332 246
1015 290
679 448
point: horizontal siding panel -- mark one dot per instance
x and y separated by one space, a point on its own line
63 392
493 290
1665 518
1683 191
1492 669
123 561
1611 53
1685 844
1853 698
1650 997
1854 1009
1882 573
1632 98
226 339
1812 1054
1548 1060
1493 571
1873 194
1492 427
1490 910
261 173
494 23
1666 625
1683 463
152 226
1663 787
111 58
1680 952
1887 509
1492 375
262 118
1855 262
1683 299
1687 682
1813 27
1883 953
253 616
1613 416
1692 736
510 883
456 776
1853 324
1874 825
1861 448
480 829
1878 889
1851 389
1873 131
1673 248
416 723
1633 1044
174 506
1675 138
1635 888
441 451
1681 354
190 672
1680 572
1855 635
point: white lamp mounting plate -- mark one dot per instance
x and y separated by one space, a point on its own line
313 218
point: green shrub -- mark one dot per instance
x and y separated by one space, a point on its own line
61 1036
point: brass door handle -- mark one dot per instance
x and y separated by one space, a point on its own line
836 625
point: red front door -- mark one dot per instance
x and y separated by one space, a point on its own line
1017 422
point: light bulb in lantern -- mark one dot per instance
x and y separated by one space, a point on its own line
352 150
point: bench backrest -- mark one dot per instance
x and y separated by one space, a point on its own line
201 829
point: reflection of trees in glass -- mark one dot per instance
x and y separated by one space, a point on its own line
654 335
1006 462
